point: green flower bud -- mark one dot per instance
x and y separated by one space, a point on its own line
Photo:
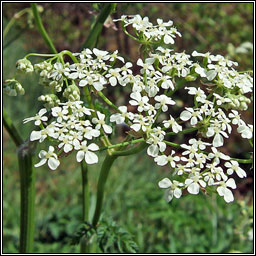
190 78
51 100
12 88
24 65
72 93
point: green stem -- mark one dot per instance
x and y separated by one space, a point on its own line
130 151
85 189
66 52
171 144
189 130
27 200
122 144
86 203
40 55
111 104
41 28
97 27
251 143
242 161
105 168
12 21
13 132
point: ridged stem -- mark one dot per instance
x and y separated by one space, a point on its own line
105 168
27 199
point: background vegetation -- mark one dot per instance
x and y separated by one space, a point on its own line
192 224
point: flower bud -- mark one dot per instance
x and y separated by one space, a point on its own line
24 65
190 78
12 88
51 100
72 93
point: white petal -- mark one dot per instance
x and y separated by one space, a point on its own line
164 183
42 111
91 158
42 162
113 81
240 172
231 183
98 86
193 188
80 156
35 135
83 83
161 160
107 128
177 192
210 75
67 148
168 195
221 190
218 140
93 147
228 195
53 163
153 150
168 39
185 115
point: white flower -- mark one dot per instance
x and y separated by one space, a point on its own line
191 150
147 66
163 102
140 101
172 188
156 145
221 100
101 55
167 82
49 156
246 131
173 124
86 154
217 155
100 122
140 122
59 71
224 191
234 166
119 118
199 70
60 113
190 113
39 118
193 183
42 134
198 143
163 159
199 94
235 118
218 140
114 76
217 171
66 142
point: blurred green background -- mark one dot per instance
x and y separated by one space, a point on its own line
192 224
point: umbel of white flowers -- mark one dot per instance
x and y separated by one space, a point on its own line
75 127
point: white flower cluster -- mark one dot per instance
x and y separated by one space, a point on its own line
71 129
144 28
214 113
